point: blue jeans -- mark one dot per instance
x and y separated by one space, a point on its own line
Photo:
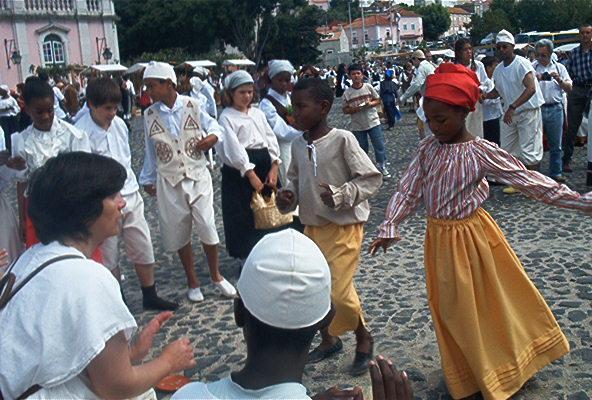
377 139
553 128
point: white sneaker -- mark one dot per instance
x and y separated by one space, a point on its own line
195 295
226 288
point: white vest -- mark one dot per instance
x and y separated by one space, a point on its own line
178 157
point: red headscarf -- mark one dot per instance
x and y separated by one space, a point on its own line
453 84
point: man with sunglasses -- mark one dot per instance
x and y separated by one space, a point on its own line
554 82
521 133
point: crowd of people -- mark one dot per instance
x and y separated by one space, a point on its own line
479 121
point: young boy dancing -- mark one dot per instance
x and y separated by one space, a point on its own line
109 137
331 178
177 134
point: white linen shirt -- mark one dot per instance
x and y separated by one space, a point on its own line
9 107
244 131
552 92
36 147
6 174
53 338
508 83
58 96
113 143
172 119
283 131
227 389
422 72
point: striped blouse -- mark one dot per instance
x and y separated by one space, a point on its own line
450 181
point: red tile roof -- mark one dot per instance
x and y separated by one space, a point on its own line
458 10
371 20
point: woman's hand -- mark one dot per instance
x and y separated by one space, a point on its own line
179 355
254 181
150 189
380 243
207 143
335 393
3 258
17 163
143 342
272 176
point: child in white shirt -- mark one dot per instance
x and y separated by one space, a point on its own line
109 137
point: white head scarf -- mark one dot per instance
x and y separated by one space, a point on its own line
160 70
278 66
237 78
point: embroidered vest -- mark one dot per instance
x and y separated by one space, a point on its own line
177 157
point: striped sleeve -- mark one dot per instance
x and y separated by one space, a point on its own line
509 170
404 201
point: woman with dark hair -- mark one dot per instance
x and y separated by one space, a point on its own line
389 88
463 53
341 83
71 330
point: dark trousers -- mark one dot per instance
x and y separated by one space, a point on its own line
9 126
491 130
392 113
577 100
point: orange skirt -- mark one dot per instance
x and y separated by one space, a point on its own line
493 327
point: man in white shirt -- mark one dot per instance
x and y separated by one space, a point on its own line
554 82
9 110
423 69
521 133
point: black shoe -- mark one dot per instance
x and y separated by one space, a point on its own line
361 360
559 178
319 355
151 301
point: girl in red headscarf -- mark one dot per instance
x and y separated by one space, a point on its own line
493 327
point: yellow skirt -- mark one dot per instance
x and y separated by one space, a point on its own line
341 245
493 327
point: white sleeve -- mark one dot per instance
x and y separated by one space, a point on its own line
209 124
231 151
18 150
282 130
58 93
148 174
563 74
272 143
486 85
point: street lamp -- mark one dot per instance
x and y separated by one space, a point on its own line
103 49
12 52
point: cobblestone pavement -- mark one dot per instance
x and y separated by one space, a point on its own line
553 244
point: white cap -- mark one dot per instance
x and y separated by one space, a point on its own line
278 66
160 70
236 79
286 282
504 37
449 53
5 88
418 54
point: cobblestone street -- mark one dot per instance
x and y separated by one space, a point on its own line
553 244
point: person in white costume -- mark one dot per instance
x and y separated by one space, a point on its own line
109 137
177 133
521 133
70 331
276 105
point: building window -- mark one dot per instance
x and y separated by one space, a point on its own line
412 27
53 50
404 27
329 51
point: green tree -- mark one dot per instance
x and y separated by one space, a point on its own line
436 20
338 10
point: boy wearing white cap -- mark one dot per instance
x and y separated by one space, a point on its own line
521 133
285 298
177 132
276 105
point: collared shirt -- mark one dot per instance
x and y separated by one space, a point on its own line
171 117
228 389
244 131
282 130
113 143
551 90
579 66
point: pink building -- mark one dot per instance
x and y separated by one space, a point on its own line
407 30
323 4
55 33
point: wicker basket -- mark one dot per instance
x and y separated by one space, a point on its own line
266 213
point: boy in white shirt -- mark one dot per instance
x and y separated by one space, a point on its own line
177 134
109 137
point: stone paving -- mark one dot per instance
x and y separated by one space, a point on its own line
553 244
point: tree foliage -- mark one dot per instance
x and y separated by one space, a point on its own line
436 20
258 28
531 15
338 10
